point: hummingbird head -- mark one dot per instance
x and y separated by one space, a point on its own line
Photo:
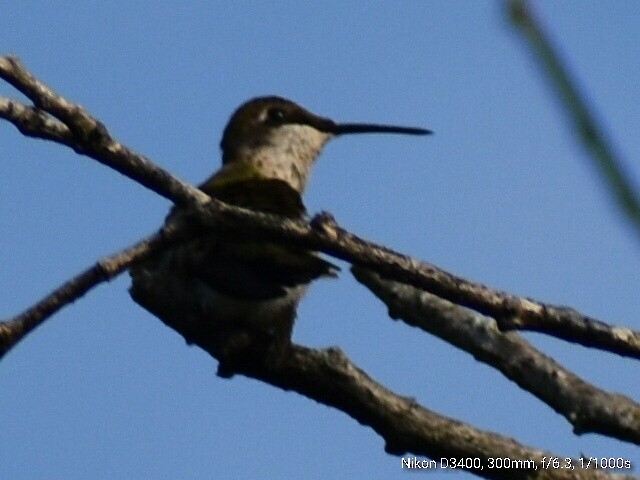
282 140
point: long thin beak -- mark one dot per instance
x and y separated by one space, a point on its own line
349 128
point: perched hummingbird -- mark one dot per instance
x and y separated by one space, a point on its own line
232 282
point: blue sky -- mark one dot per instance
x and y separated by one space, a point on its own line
501 194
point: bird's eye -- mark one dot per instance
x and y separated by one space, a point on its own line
275 115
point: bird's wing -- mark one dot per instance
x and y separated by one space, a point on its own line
249 268
243 266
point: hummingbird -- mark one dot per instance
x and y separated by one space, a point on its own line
234 282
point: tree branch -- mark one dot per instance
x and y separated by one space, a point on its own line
86 135
329 377
587 408
105 269
89 137
405 426
33 122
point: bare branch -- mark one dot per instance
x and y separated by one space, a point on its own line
16 328
90 137
586 407
571 325
509 310
312 373
329 377
34 122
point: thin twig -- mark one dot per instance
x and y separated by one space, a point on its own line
18 327
584 122
33 122
89 136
